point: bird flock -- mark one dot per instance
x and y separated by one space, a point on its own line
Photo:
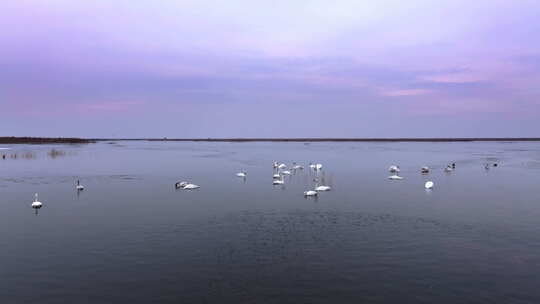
280 171
424 170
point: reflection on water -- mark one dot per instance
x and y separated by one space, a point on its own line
54 153
25 154
21 155
130 237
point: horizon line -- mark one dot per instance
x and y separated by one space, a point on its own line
36 140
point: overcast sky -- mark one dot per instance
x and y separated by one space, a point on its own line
151 68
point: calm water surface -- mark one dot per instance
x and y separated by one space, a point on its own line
130 237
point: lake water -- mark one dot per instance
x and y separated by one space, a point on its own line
131 237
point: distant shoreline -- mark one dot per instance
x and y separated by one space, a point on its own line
333 139
44 140
72 140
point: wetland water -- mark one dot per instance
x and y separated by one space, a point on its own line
131 237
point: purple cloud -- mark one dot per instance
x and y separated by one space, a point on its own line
200 67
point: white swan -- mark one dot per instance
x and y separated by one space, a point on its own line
424 169
312 166
79 187
394 169
395 177
36 204
186 186
310 193
241 174
179 185
286 172
191 187
429 185
318 166
297 167
448 169
323 188
282 166
275 165
279 181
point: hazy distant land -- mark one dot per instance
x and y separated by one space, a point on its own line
43 140
73 140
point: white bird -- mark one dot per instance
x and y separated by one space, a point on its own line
323 188
429 185
275 165
318 166
395 177
241 174
282 166
79 187
36 204
276 176
424 169
286 172
179 185
191 187
279 181
394 169
310 193
297 167
448 169
312 166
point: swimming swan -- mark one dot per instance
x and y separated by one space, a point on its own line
191 187
310 193
323 188
429 185
186 186
394 169
179 185
395 177
36 204
279 181
297 167
241 174
79 187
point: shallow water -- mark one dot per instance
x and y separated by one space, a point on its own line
130 237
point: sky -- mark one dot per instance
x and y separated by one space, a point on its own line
226 68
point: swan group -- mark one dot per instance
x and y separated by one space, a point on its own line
280 173
424 170
278 179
